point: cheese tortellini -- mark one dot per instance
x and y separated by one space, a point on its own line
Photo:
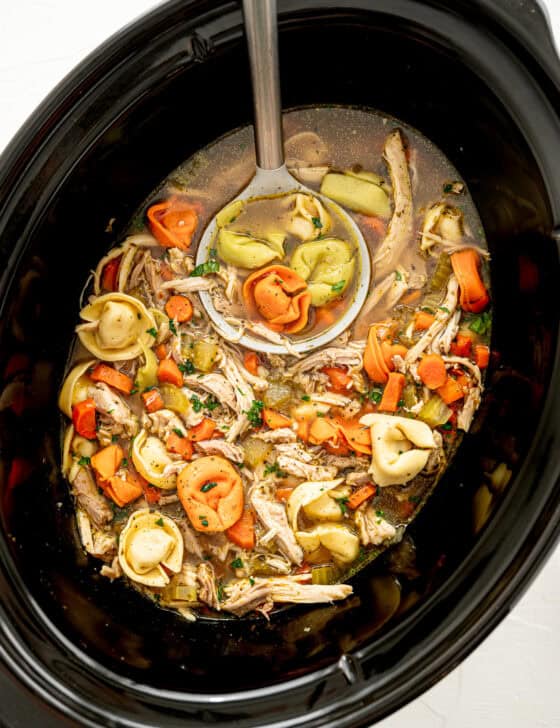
400 448
306 493
148 542
150 458
245 251
117 325
343 544
328 267
309 218
75 387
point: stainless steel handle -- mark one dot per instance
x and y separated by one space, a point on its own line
262 40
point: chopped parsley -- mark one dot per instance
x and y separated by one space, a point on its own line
124 463
208 486
342 504
159 522
237 564
398 275
114 438
306 398
400 403
220 592
447 188
375 395
203 520
414 499
274 469
178 432
212 265
380 514
338 287
134 391
481 324
446 426
187 367
84 460
444 309
317 222
254 413
172 327
152 332
210 403
196 403
427 309
251 581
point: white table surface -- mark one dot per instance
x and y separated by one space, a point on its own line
511 680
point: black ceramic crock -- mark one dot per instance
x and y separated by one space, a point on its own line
480 79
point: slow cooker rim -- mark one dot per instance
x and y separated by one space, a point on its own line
10 161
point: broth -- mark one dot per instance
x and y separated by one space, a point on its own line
215 479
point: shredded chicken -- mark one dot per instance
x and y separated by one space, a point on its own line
281 435
207 590
113 570
221 447
90 499
217 385
163 422
272 514
244 597
189 285
305 470
443 314
373 528
118 417
244 394
331 356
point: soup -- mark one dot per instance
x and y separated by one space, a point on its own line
215 479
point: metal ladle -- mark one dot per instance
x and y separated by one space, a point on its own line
272 178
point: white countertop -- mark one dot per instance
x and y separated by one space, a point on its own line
511 680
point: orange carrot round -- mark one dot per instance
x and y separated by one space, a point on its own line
432 372
423 320
161 351
251 362
482 356
107 461
361 495
340 380
211 492
451 391
169 372
179 308
462 346
152 400
112 377
203 431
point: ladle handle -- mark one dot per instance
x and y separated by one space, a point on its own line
262 40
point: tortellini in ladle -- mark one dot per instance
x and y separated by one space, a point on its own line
400 448
245 251
328 267
149 542
150 459
116 326
308 218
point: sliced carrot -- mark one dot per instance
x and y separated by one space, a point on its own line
275 420
83 417
107 461
282 494
392 393
389 351
361 495
374 223
151 493
152 400
481 356
242 533
423 320
451 391
251 362
122 490
432 372
324 316
473 294
173 223
303 427
179 308
462 346
112 377
323 429
110 273
410 298
203 431
169 372
340 380
180 444
374 364
161 352
356 436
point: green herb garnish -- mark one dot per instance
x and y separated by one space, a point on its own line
203 520
124 463
254 413
446 426
236 564
159 522
481 324
414 499
172 327
251 581
447 188
114 438
187 367
444 309
398 275
375 395
220 592
178 432
84 460
197 405
212 265
338 287
152 332
274 468
342 504
208 486
306 398
317 222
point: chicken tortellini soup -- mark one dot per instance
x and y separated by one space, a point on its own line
215 479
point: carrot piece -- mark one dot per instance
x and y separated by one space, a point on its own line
166 272
323 429
423 320
340 381
361 495
122 490
462 346
179 308
481 356
389 351
110 273
392 393
410 298
107 461
83 417
375 224
151 493
282 494
180 444
357 436
251 362
242 533
173 223
203 431
451 391
152 400
473 294
303 428
275 420
374 364
324 316
169 372
161 352
112 377
431 371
